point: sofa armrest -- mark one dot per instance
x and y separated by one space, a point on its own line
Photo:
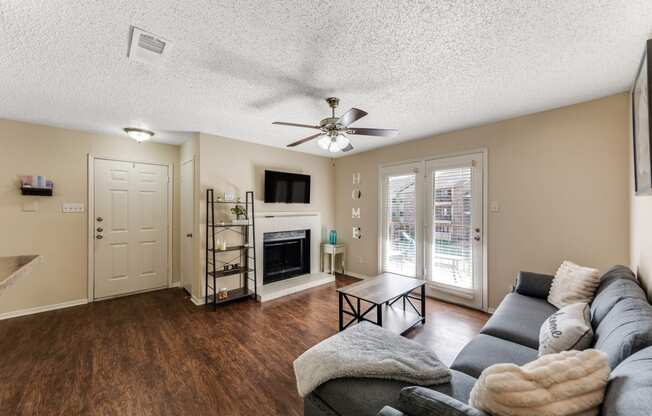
421 401
390 411
536 285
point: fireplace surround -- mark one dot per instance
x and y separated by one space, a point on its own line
272 222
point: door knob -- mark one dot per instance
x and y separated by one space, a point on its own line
100 229
100 219
189 235
99 236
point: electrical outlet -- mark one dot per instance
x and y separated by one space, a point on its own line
72 207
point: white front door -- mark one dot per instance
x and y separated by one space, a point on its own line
187 224
130 227
454 229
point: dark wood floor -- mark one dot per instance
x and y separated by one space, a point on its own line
157 354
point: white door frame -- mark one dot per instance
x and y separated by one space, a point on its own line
195 235
485 212
91 221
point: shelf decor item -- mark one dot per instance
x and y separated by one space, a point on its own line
36 185
232 260
642 129
239 212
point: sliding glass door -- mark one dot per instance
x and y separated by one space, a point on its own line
432 225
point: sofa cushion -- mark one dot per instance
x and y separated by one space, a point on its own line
573 284
567 329
563 384
484 351
626 329
536 285
422 401
518 319
367 396
629 392
617 284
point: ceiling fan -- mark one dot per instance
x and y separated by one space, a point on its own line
334 130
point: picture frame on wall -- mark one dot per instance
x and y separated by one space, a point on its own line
641 128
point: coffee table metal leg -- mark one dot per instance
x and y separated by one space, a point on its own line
341 310
359 311
423 304
380 314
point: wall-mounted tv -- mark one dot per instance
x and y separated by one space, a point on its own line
291 188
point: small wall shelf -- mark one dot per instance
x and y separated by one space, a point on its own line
26 190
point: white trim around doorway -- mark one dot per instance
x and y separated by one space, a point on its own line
91 223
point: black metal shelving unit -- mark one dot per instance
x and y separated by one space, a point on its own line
246 252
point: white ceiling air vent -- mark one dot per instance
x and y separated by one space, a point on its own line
147 47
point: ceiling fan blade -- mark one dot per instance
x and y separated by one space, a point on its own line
281 123
307 139
348 148
373 132
351 116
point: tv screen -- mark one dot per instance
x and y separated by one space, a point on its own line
287 187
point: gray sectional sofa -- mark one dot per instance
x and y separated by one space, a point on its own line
621 319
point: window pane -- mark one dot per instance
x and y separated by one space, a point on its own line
451 252
400 229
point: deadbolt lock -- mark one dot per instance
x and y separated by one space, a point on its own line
99 237
100 229
100 219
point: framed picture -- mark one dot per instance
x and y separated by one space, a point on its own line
641 115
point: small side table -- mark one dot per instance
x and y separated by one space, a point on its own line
333 250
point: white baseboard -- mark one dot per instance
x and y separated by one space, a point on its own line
39 309
197 301
175 284
491 310
357 275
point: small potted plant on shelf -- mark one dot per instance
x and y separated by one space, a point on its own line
240 214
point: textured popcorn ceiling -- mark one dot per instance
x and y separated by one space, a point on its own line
423 67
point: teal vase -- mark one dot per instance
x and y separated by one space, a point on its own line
332 237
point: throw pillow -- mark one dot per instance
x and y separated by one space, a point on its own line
573 284
566 383
567 329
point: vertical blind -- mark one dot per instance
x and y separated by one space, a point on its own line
452 251
400 224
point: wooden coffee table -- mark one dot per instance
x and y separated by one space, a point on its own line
380 294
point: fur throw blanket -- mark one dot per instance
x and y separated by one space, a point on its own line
567 383
369 351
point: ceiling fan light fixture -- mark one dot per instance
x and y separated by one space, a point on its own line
139 135
342 141
324 142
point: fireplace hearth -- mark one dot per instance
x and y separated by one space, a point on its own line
286 254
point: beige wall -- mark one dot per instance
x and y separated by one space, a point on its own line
60 155
640 230
238 166
560 177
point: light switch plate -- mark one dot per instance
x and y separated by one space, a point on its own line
72 207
